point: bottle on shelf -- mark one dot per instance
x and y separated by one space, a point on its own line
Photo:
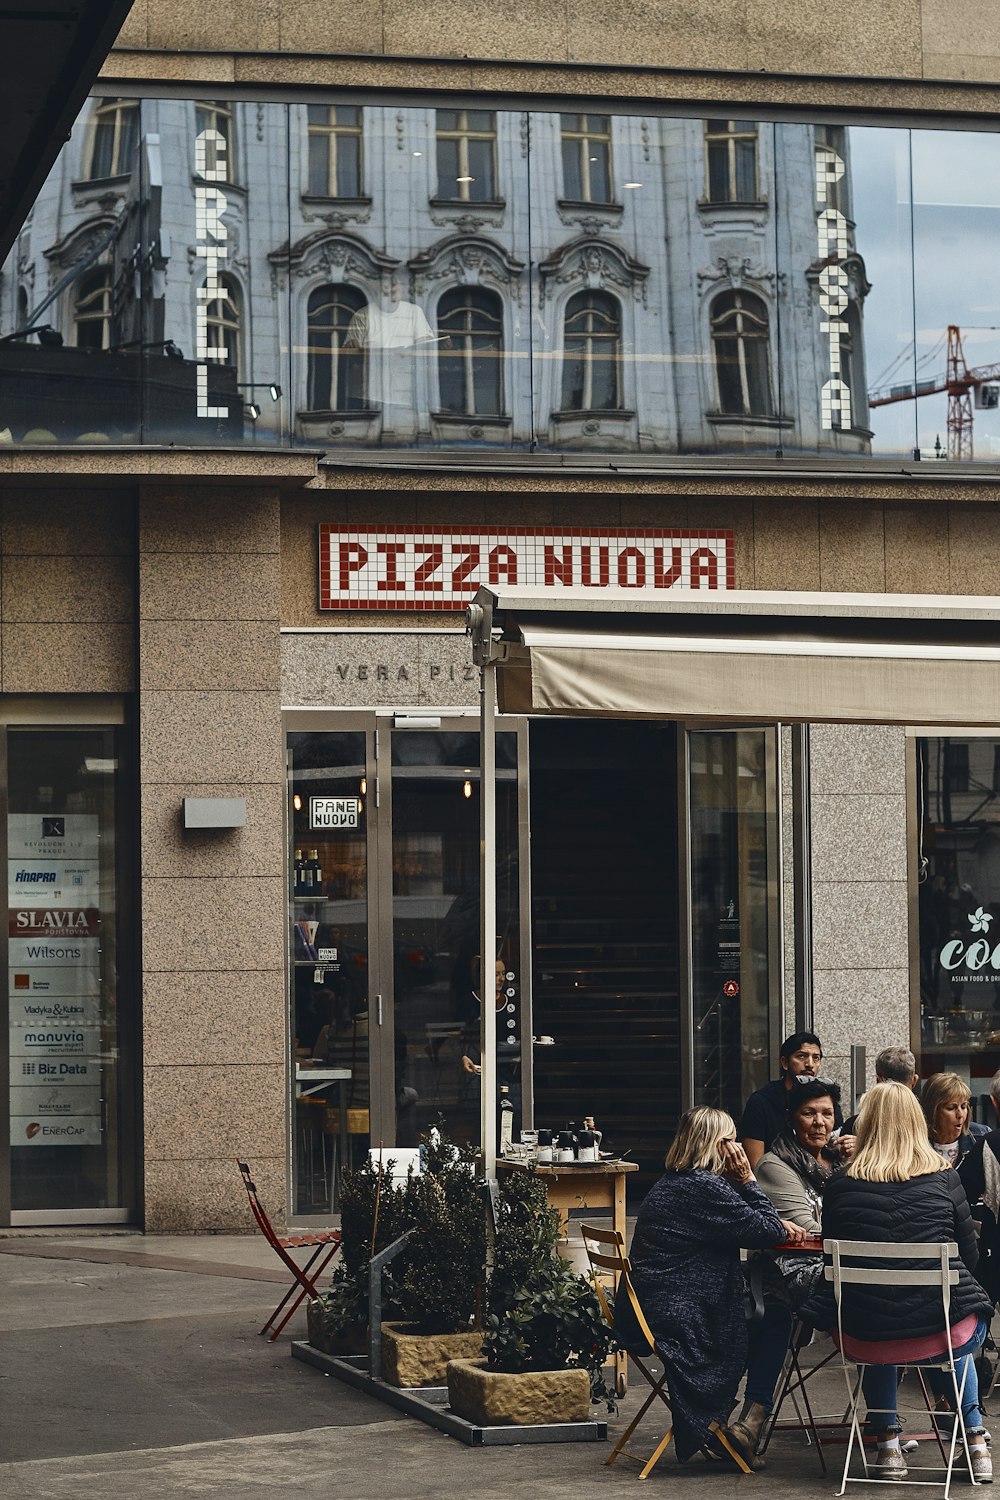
506 1121
297 876
316 870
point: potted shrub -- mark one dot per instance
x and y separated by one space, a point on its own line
372 1214
546 1338
440 1284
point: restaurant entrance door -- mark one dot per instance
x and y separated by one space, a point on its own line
384 961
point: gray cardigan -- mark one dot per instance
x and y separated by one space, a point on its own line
793 1199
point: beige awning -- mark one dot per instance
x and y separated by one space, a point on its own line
906 659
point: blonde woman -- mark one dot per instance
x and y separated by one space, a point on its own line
898 1188
686 1270
945 1099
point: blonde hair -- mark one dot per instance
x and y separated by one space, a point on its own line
890 1137
700 1132
942 1088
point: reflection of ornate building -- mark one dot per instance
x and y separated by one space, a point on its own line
618 284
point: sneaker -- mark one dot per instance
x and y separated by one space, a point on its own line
982 1465
890 1464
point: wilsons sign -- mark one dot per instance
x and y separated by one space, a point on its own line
413 568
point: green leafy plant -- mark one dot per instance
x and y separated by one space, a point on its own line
441 1284
373 1213
555 1324
541 1316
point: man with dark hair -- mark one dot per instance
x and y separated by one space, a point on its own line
765 1112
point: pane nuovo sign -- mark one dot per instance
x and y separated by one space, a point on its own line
417 568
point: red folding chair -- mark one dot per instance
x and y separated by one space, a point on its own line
324 1244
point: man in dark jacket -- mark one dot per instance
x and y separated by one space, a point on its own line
766 1111
979 1170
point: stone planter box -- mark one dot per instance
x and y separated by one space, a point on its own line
414 1359
350 1340
492 1398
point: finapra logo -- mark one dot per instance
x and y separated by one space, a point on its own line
35 877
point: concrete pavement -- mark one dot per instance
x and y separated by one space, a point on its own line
131 1367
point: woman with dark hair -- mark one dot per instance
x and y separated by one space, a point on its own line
793 1174
686 1271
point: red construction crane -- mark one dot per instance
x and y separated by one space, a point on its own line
960 382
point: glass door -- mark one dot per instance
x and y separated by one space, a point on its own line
734 959
335 1003
429 849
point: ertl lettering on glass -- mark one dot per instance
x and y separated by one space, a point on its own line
211 236
834 287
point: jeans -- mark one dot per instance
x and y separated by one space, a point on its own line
768 1347
879 1385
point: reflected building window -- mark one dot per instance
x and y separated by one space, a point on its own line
216 117
591 379
115 138
336 374
731 161
740 339
586 158
92 310
22 308
470 358
466 155
224 323
335 151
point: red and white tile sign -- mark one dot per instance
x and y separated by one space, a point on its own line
422 568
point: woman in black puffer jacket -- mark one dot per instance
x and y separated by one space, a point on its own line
898 1189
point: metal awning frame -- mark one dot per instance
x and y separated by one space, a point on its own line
911 628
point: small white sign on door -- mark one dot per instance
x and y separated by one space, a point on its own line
334 812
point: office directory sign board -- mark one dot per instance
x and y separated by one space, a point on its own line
54 969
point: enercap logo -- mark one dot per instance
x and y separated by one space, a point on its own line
957 955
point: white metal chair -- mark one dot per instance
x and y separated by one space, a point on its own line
882 1269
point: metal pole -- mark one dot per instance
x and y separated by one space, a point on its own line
859 1068
488 916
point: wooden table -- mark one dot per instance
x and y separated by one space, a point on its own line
598 1186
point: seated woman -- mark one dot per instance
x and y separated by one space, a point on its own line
897 1189
945 1100
793 1174
686 1271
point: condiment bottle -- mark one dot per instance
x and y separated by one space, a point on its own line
543 1151
588 1124
586 1148
564 1153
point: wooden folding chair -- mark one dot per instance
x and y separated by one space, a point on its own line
324 1244
610 1257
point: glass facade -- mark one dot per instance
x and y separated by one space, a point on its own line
70 1112
958 882
398 277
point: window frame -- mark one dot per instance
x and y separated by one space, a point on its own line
335 298
742 336
731 138
582 139
464 298
100 281
114 111
330 133
587 356
462 134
